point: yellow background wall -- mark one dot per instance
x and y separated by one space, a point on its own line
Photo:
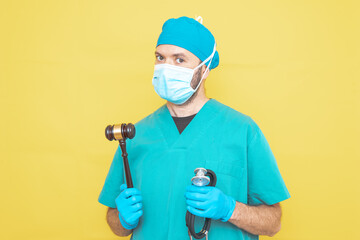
68 68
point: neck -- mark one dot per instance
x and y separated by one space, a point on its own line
188 108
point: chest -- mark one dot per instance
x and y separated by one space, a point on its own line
171 167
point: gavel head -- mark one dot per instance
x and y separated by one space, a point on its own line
120 131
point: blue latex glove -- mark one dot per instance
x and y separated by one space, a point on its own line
209 202
129 205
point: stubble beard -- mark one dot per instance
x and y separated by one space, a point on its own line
195 81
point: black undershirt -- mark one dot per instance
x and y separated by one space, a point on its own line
182 122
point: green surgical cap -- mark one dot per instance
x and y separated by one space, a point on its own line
190 34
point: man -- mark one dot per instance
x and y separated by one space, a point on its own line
193 131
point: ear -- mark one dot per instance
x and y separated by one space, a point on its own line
204 67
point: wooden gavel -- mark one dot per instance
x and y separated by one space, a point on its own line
121 132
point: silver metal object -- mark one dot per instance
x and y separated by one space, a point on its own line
200 179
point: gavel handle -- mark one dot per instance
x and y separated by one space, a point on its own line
124 155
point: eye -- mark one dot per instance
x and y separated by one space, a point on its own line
180 60
159 58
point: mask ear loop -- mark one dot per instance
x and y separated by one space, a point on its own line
211 57
199 19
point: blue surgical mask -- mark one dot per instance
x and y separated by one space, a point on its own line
173 83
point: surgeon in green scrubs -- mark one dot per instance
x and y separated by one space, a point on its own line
188 132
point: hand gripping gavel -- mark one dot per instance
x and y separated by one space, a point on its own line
121 132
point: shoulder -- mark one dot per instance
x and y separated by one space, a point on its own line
151 118
235 116
148 124
146 129
238 121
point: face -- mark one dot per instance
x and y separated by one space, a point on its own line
174 55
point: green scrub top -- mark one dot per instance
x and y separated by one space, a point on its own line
162 163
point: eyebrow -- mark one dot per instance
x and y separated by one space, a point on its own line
174 55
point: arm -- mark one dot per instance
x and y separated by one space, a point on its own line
211 202
258 220
123 219
113 220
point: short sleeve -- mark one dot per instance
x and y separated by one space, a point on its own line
114 179
265 184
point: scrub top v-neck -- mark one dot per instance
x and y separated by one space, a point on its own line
162 163
182 122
